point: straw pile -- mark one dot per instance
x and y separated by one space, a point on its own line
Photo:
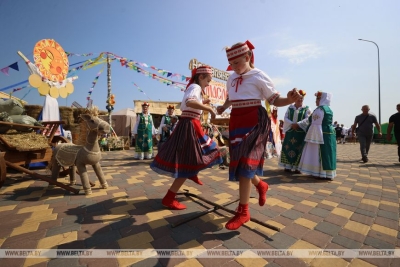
25 141
66 114
33 110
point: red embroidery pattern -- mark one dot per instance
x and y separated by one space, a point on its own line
246 103
190 114
272 99
237 51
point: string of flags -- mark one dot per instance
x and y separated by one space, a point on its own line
20 88
94 84
140 90
125 61
79 55
158 78
13 66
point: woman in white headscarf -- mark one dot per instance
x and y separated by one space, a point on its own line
319 152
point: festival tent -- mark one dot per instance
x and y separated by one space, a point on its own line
122 121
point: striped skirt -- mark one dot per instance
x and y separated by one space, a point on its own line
248 134
187 151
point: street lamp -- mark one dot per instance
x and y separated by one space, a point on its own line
379 79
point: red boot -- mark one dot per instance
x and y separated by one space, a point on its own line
169 201
262 189
196 180
242 216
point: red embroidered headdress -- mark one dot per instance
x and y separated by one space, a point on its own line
199 70
238 51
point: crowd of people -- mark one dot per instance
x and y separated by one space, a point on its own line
304 141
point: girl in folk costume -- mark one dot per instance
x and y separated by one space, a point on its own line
248 125
294 138
188 150
144 132
319 152
281 129
274 143
165 126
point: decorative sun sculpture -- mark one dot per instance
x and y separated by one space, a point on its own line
49 73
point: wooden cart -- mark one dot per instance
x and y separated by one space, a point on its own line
17 160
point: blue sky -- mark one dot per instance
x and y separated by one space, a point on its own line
311 45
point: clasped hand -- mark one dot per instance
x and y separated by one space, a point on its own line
293 95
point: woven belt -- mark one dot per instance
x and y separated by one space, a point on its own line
246 103
190 114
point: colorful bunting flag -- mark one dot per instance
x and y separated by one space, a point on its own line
5 70
140 90
14 66
93 85
79 55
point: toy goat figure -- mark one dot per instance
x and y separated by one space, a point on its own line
70 155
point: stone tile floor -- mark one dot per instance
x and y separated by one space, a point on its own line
358 209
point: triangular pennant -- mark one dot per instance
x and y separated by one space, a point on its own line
5 70
187 78
169 74
14 66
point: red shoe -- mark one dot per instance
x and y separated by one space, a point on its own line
169 201
262 189
196 180
242 216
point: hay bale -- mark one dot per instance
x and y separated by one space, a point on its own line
75 131
33 110
77 113
26 141
66 114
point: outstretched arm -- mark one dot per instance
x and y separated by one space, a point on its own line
221 109
292 96
198 105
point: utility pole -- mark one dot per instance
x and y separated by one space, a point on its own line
109 107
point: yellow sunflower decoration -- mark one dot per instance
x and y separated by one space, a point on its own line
49 73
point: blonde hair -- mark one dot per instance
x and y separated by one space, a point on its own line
249 53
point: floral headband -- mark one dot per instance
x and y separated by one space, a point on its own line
170 107
145 104
302 93
318 94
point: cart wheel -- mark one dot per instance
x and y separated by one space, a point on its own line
3 169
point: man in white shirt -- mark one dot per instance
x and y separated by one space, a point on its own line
345 132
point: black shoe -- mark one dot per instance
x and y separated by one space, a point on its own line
288 170
365 159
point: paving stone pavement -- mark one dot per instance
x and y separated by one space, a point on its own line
359 209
